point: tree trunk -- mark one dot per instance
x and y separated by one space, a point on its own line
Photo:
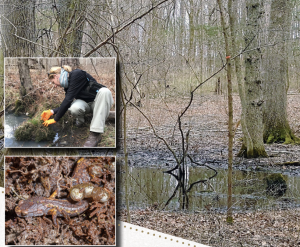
276 126
252 117
230 111
25 79
236 40
71 20
18 24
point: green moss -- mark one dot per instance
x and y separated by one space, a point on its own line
276 184
254 153
288 140
34 121
270 139
19 107
281 135
229 220
34 130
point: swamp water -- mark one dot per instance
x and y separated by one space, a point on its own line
150 186
12 122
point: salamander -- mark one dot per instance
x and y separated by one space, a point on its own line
80 174
39 206
89 190
85 171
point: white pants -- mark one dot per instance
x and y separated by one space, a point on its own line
100 108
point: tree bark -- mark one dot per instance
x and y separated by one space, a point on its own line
276 126
235 34
71 20
25 79
18 20
228 49
252 115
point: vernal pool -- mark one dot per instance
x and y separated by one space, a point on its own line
150 186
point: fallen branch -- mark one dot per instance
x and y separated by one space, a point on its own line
289 163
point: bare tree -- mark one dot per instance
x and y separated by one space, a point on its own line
228 49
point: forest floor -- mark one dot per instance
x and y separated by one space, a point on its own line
276 228
45 96
207 120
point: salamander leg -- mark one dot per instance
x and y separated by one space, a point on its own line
65 214
53 212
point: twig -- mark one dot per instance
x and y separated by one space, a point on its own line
20 197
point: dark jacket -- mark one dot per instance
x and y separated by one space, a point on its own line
77 89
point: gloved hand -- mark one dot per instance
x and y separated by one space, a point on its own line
47 122
46 115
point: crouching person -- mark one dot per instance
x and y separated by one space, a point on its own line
82 95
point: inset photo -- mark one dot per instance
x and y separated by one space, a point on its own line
60 102
60 201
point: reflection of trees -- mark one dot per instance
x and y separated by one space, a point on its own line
182 186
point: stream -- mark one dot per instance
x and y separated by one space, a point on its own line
150 186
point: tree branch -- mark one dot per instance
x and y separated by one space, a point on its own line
122 28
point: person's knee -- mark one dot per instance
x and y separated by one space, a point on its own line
105 91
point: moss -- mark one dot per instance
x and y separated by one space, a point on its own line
34 121
19 107
229 220
34 130
276 184
255 153
270 139
281 135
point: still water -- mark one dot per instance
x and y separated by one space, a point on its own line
11 124
150 186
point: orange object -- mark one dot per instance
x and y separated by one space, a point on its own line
48 122
227 57
46 115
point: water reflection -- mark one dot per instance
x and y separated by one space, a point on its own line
150 186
